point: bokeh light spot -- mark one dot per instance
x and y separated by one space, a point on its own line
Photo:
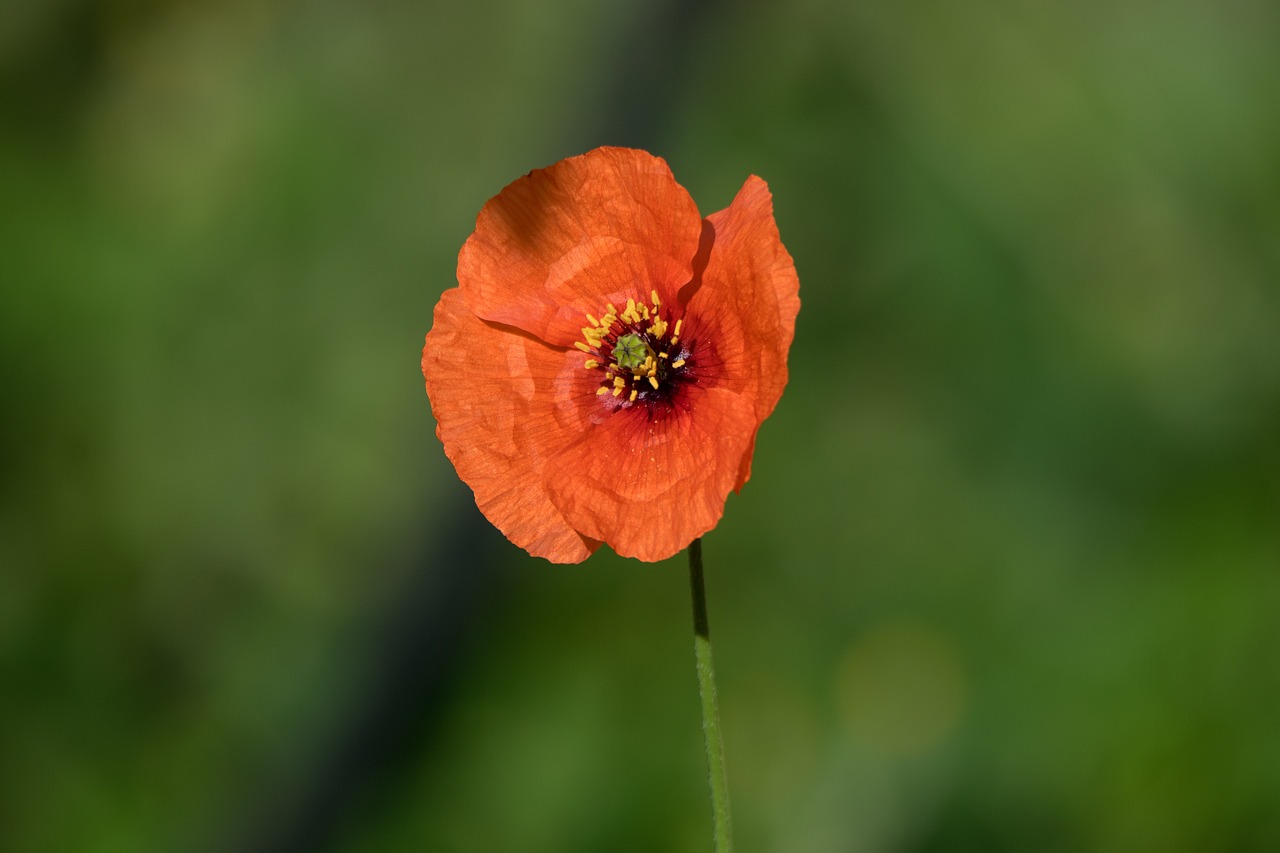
901 687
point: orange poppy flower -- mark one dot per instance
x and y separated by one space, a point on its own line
601 370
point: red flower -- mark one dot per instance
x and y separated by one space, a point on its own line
601 370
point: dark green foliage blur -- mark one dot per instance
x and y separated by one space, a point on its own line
1006 577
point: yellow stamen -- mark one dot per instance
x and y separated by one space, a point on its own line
636 330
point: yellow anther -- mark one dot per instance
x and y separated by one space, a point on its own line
635 358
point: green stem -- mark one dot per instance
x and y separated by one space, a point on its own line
710 710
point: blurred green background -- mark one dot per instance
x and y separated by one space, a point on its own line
1005 578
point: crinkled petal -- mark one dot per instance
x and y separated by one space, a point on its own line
561 242
746 304
504 404
650 482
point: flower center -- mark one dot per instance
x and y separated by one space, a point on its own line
636 358
631 351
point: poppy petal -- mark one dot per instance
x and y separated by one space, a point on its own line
649 483
606 226
747 303
498 396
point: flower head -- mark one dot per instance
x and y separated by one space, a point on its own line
602 368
